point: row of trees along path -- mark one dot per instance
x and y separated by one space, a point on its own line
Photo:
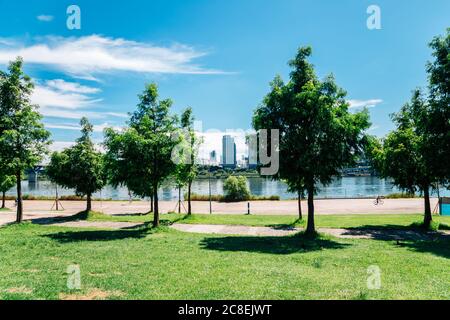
318 137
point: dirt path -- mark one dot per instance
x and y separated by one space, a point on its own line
89 224
378 234
351 233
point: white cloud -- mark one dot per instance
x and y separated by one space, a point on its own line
62 85
45 18
61 99
60 145
8 42
77 127
117 114
59 113
364 103
89 55
47 96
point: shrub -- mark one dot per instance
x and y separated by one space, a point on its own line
221 198
400 195
204 197
236 189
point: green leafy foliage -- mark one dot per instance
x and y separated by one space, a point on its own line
185 154
236 188
6 182
140 157
415 155
23 138
80 167
438 116
318 134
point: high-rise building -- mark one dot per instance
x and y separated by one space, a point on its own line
228 152
213 157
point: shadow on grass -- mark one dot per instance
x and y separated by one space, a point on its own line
83 215
413 237
134 214
439 247
100 235
273 245
395 232
288 226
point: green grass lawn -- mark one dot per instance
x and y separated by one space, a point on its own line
4 209
328 221
167 264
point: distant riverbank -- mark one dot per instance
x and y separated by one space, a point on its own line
340 188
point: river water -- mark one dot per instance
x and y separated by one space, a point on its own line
345 187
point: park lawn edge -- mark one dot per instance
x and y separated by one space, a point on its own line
374 221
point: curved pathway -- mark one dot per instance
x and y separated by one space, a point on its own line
356 233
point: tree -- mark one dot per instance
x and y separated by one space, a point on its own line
415 155
437 120
122 164
6 183
185 155
23 138
80 167
236 188
405 155
151 141
318 134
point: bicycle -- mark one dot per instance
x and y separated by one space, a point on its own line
378 201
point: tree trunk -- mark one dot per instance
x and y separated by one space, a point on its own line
156 209
300 216
179 199
427 218
3 200
189 197
56 200
89 202
151 203
310 228
19 198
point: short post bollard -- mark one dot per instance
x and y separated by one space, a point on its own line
248 208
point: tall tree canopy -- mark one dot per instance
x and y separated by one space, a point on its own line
405 155
23 138
415 155
121 147
150 143
185 154
437 124
318 134
79 167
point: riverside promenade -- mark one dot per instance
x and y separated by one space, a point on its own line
42 209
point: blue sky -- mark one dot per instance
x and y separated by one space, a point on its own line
216 56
